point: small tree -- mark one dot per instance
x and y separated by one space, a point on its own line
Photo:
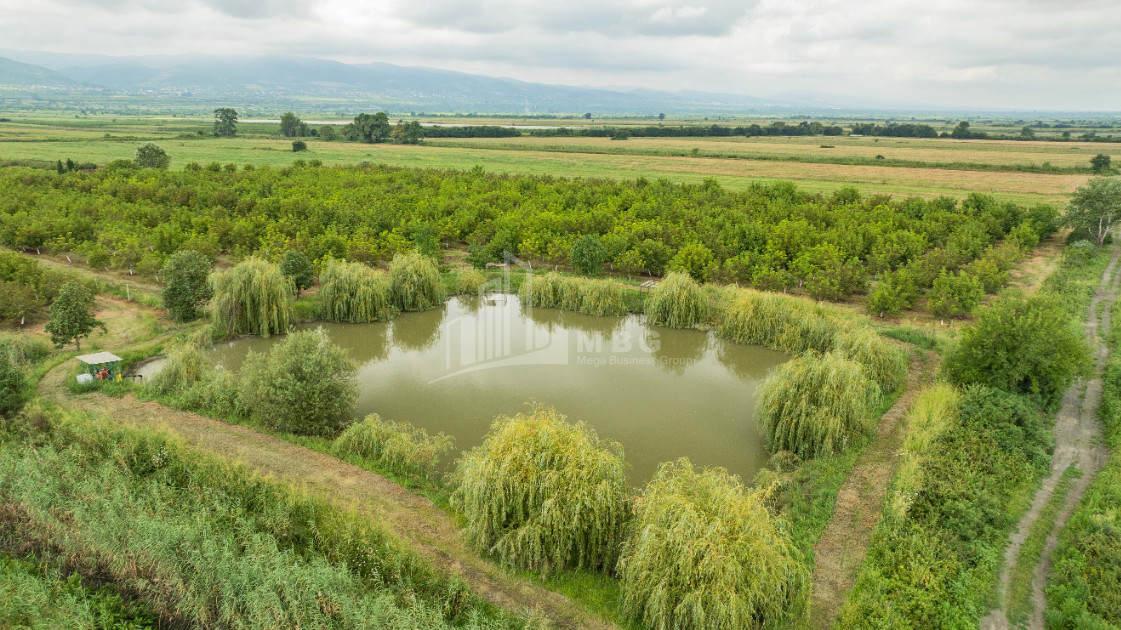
225 122
150 155
895 292
1100 163
328 133
298 145
694 259
13 387
588 116
296 266
954 295
305 385
588 255
290 125
1020 344
661 116
408 133
186 285
72 315
1095 208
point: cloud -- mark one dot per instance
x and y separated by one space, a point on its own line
969 53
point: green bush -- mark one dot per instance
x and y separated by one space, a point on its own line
469 282
677 302
545 495
1022 344
23 350
816 404
13 387
954 295
295 265
414 282
705 553
353 292
895 293
588 255
885 363
185 284
251 298
304 385
396 446
183 367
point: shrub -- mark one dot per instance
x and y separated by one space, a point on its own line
934 411
677 302
183 368
296 266
251 298
22 350
816 404
542 494
1020 344
469 281
588 255
953 295
895 292
705 553
414 282
13 387
304 385
396 446
298 146
352 292
185 284
602 299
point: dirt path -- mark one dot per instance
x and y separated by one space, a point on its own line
1077 442
844 543
411 517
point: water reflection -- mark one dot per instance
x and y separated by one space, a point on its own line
662 393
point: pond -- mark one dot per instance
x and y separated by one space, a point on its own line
661 393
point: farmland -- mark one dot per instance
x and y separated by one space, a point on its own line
1022 171
900 345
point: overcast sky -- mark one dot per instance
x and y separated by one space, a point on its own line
1022 54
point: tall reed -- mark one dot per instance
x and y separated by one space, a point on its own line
545 495
251 298
816 404
705 553
353 292
591 297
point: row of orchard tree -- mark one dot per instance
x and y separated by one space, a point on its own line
772 237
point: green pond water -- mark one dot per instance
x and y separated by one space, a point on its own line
661 393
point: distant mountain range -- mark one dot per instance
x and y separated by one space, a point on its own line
374 84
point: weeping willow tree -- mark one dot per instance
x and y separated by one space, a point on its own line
705 553
677 302
883 362
545 495
415 283
469 281
816 404
251 298
591 297
796 326
353 292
